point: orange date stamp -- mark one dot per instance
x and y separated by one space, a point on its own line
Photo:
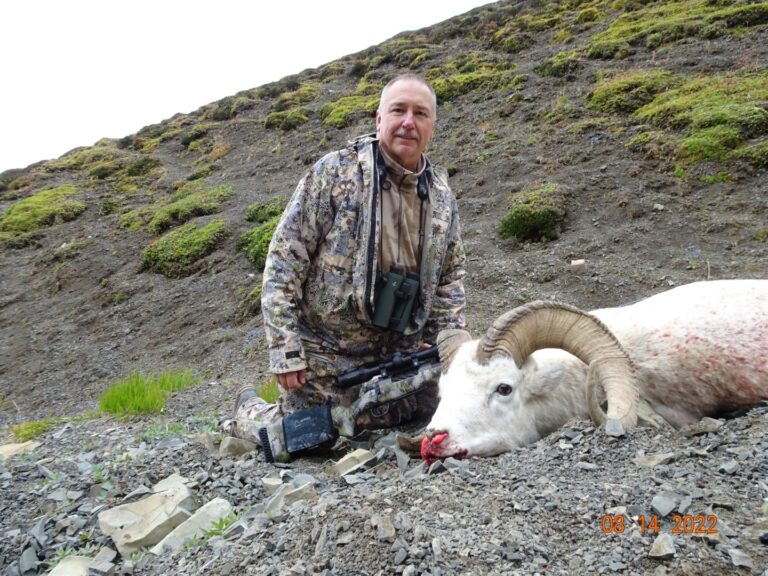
681 524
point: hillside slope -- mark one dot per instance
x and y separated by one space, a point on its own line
648 120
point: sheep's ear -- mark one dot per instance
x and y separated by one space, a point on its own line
448 342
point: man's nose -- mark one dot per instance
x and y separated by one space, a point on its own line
409 120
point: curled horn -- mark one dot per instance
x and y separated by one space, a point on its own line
522 331
448 342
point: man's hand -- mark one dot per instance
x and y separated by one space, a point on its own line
292 380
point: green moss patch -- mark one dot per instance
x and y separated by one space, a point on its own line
666 22
196 132
141 166
756 154
631 90
229 107
471 72
85 158
263 211
295 99
558 65
41 210
179 252
716 114
287 119
255 243
535 213
654 144
342 112
191 200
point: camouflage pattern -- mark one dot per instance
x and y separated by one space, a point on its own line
384 403
381 403
317 294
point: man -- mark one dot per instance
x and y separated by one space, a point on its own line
375 207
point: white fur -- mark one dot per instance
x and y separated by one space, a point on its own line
698 349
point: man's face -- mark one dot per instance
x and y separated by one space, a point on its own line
405 122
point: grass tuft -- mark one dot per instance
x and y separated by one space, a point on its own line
28 430
138 394
269 390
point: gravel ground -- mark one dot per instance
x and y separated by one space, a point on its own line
575 502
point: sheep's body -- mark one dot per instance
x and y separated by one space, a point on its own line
700 349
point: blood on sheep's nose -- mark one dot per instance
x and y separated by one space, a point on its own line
428 452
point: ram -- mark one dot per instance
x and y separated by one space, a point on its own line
697 350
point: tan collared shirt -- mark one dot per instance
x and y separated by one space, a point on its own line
400 213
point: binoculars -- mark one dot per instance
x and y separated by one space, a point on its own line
395 295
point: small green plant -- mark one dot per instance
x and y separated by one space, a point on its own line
32 429
119 297
269 390
90 550
220 526
179 252
100 473
535 213
255 243
140 394
162 429
263 211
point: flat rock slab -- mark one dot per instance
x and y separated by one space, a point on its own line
10 450
146 522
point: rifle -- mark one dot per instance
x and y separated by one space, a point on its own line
402 375
401 363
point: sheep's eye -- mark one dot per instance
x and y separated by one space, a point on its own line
504 389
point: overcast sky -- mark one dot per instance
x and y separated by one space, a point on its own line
74 71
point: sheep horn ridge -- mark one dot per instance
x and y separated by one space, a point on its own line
536 325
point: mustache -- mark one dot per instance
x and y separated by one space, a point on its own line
407 134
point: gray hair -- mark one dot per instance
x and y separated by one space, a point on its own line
415 78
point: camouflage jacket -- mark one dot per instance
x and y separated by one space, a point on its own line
317 296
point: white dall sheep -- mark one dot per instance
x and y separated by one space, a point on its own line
693 351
